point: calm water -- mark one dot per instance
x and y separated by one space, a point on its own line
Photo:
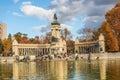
61 70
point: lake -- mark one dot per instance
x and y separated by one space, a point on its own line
61 70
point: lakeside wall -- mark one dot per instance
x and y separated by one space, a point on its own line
7 59
94 56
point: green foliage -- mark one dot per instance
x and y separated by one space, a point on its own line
31 53
21 54
10 36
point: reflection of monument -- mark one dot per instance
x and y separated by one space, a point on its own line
60 68
54 70
24 70
103 69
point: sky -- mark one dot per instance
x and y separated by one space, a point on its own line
33 17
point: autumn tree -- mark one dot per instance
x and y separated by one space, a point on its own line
1 47
21 37
48 37
113 19
96 33
110 37
7 43
17 35
70 46
34 40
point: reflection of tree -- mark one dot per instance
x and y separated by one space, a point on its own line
113 69
0 72
1 47
6 70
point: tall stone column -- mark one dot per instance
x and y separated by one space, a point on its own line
101 43
15 47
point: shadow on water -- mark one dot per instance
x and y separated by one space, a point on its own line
61 70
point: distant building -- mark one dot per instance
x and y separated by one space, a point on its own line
2 31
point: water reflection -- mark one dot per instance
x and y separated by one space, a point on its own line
103 70
6 71
61 70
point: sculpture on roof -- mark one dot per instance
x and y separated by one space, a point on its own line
55 16
55 22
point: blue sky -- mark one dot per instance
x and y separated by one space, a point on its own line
33 17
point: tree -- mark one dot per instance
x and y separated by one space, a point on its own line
96 33
7 43
19 34
85 33
110 37
1 47
48 37
21 37
70 46
113 19
66 34
9 36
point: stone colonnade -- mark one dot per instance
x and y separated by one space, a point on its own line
97 46
27 49
87 47
35 51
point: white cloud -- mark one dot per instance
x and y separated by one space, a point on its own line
26 3
42 28
93 9
15 1
31 10
66 26
59 2
68 10
45 28
16 14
